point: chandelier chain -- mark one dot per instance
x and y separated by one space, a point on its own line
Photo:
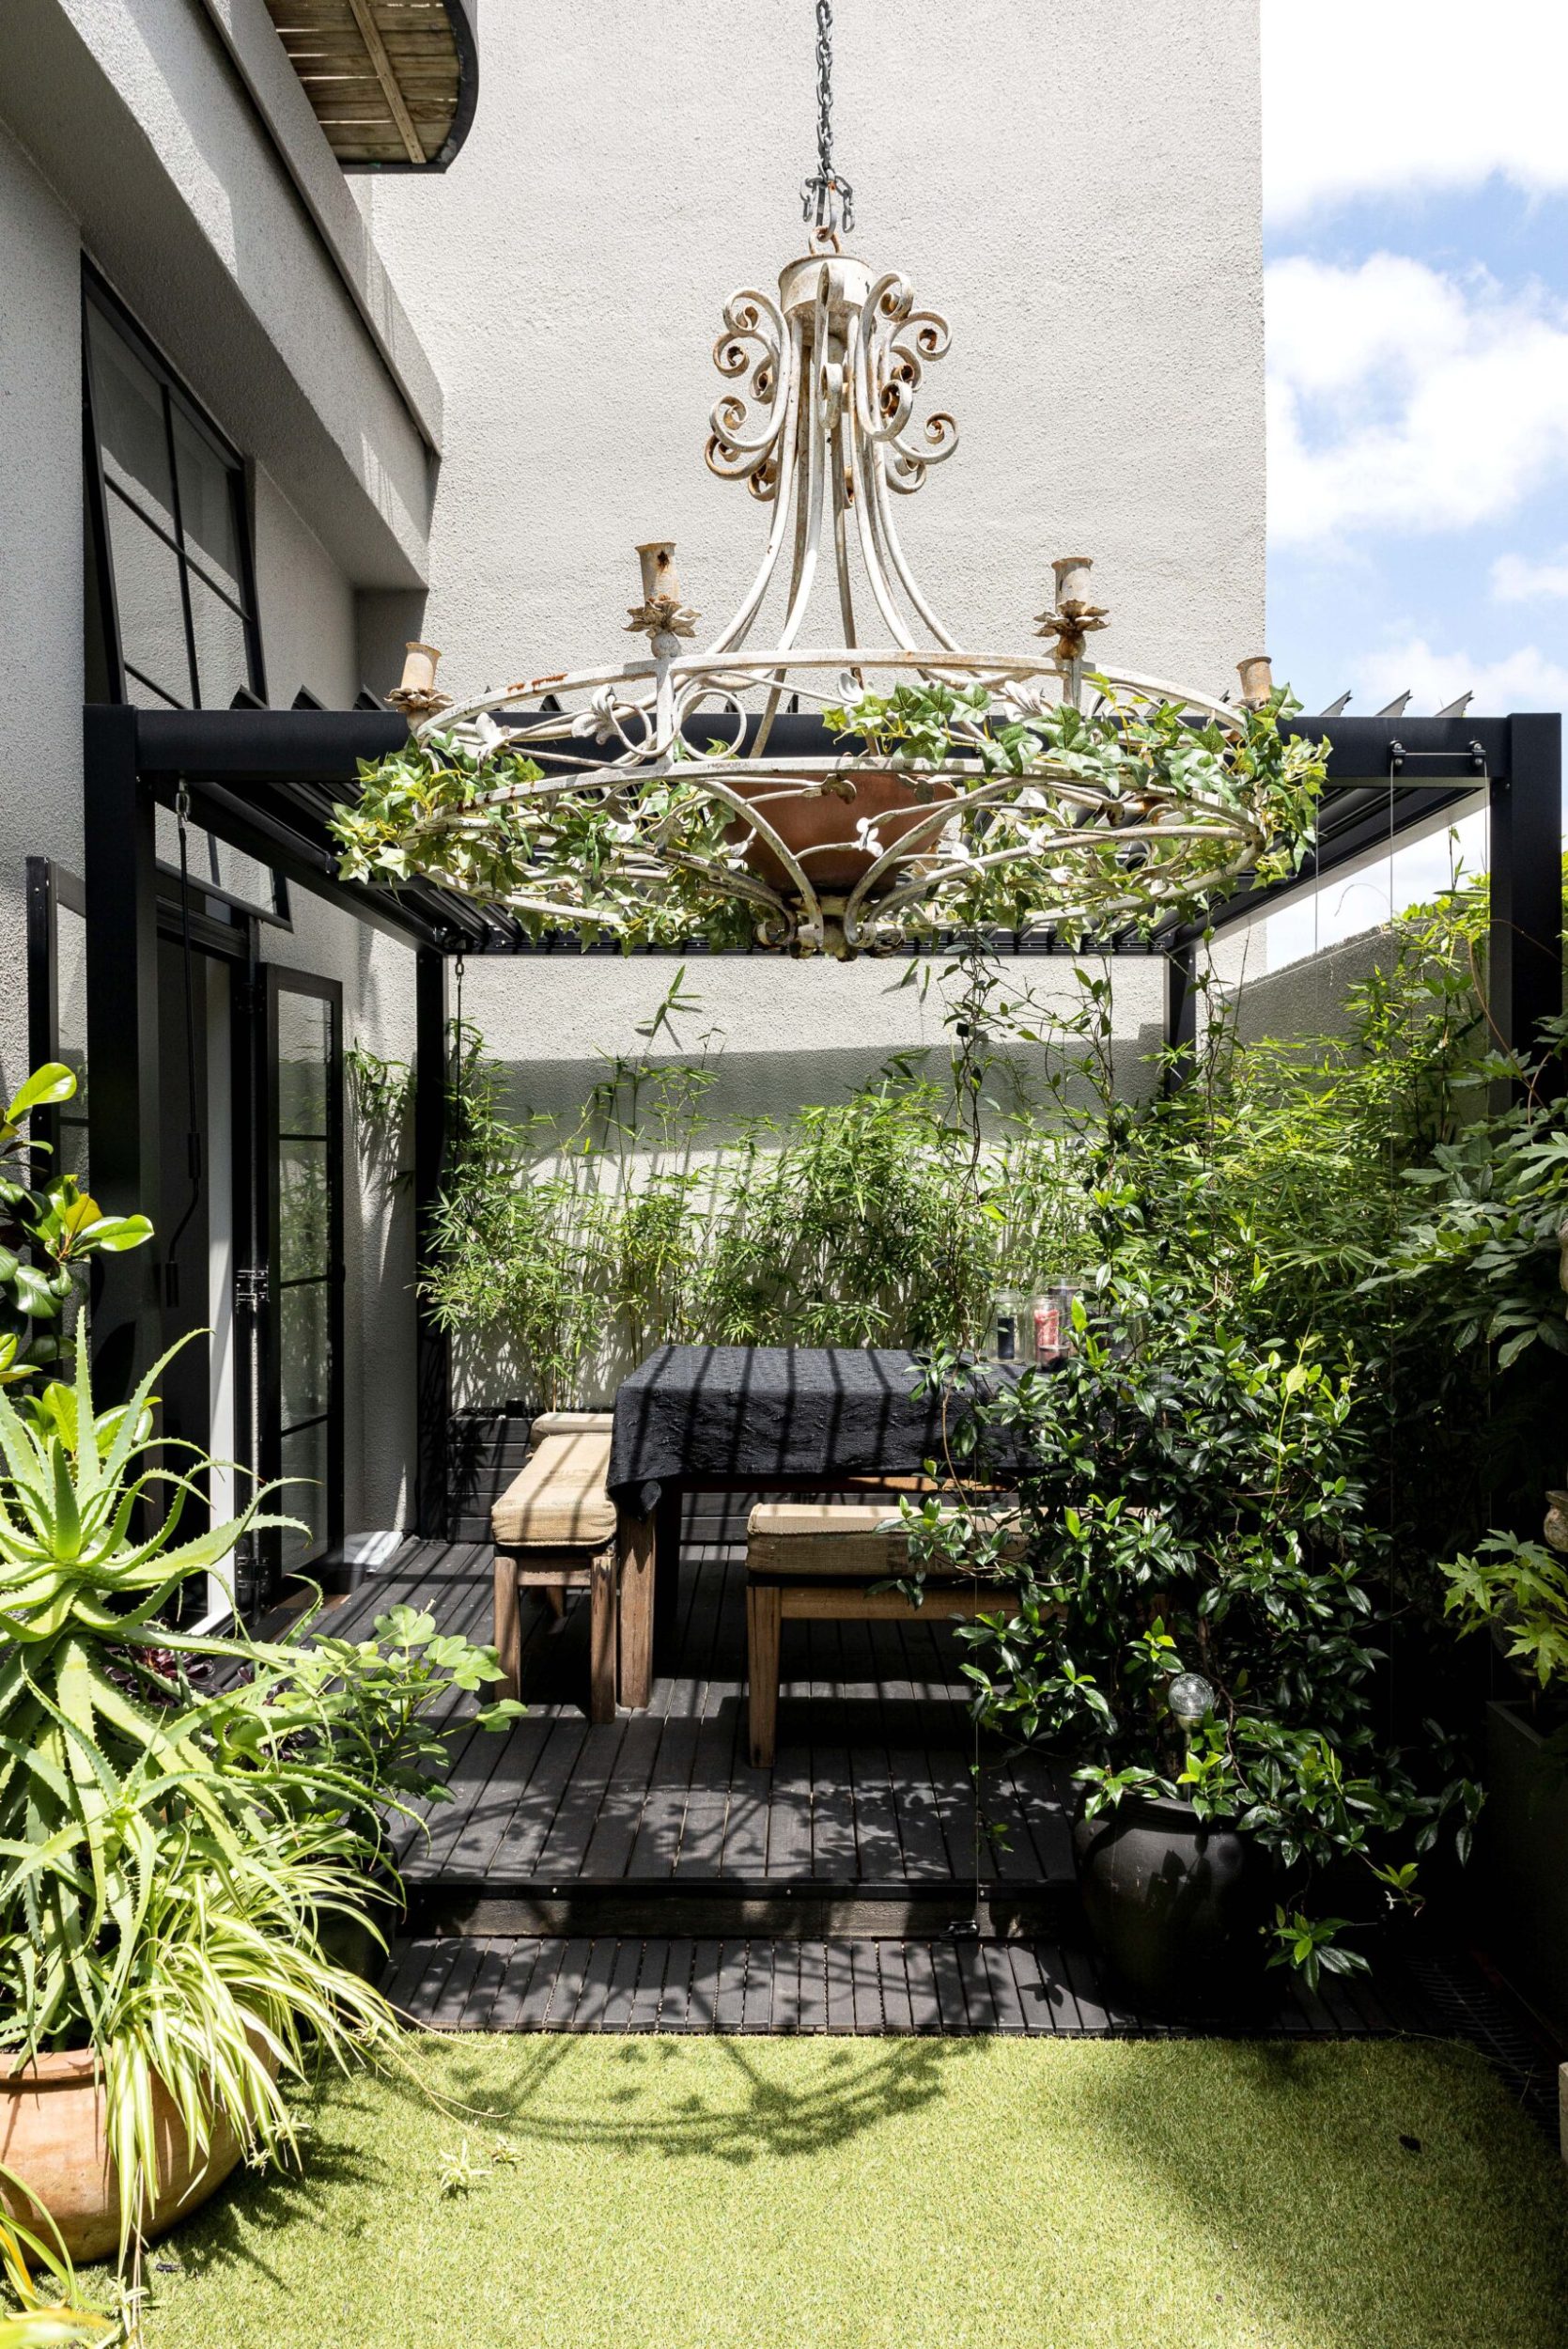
827 201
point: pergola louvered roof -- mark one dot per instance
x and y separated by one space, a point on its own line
393 83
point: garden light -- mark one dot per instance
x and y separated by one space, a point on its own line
1191 1699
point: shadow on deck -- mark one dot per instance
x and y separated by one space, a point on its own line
871 1800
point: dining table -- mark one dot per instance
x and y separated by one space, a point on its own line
758 1419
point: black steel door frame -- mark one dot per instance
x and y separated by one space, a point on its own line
265 1318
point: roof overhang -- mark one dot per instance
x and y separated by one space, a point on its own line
393 83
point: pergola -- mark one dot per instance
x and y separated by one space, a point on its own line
266 782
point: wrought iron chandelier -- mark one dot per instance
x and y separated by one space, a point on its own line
830 792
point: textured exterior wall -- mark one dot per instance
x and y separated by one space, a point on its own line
1076 187
40 563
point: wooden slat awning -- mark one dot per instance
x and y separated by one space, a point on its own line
393 83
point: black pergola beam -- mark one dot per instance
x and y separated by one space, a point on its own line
1524 971
267 745
120 884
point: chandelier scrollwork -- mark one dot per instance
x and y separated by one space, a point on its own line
828 792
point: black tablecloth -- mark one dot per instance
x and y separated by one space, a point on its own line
747 1414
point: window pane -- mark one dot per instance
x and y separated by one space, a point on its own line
305 1043
207 506
305 1366
223 656
303 1453
303 1237
146 591
128 410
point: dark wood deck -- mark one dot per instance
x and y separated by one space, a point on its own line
872 1794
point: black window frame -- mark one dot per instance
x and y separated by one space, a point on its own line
98 297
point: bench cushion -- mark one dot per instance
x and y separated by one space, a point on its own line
828 1538
570 1423
559 1501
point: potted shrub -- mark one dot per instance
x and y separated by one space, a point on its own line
172 1854
1194 1630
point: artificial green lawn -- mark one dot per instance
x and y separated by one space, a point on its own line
926 2194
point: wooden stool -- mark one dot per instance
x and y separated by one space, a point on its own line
555 1531
816 1561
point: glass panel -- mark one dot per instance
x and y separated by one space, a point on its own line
223 656
147 592
304 1045
304 1234
70 980
305 1455
128 410
207 506
305 1362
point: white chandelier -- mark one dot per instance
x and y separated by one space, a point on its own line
946 784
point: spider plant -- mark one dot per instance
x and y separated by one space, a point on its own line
48 2315
164 1859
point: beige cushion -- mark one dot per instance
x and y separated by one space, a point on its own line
570 1423
559 1501
823 1537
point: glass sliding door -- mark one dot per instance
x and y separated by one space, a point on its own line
303 1415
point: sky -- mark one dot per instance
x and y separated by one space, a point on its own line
1416 241
1415 286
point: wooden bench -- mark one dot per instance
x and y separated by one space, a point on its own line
555 1531
819 1561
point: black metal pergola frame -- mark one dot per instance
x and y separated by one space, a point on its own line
266 780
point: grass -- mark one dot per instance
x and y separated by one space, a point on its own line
922 2194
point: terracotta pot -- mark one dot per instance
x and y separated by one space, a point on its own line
52 2135
826 825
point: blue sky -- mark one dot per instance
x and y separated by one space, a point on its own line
1416 206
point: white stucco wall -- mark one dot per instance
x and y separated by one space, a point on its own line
1074 186
40 563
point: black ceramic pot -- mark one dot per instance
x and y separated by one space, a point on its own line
1174 1907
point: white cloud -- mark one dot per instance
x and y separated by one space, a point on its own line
1527 678
1516 580
1402 398
1385 98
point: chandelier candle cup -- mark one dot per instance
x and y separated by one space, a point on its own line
1257 680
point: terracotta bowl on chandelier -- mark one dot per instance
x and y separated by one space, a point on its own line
823 828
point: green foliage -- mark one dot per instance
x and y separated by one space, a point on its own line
48 1234
50 2313
860 1222
466 808
1519 1589
169 1852
1192 1499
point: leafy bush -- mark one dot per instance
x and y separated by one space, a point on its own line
1192 1500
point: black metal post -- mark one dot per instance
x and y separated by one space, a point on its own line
1181 1015
432 1353
120 882
1524 949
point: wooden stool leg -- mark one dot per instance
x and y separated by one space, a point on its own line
639 1551
764 1616
508 1630
555 1596
601 1637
